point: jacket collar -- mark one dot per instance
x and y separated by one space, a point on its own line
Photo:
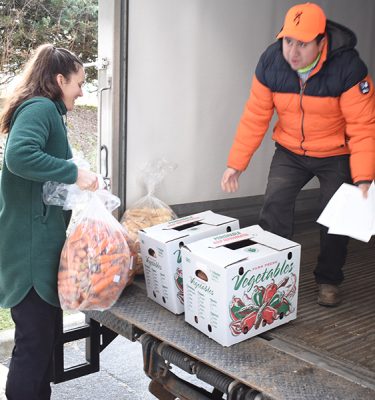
322 59
60 105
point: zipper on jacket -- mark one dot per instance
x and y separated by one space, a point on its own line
301 93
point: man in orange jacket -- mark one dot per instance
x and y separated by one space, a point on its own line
314 78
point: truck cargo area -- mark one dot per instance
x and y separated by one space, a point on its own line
189 86
326 353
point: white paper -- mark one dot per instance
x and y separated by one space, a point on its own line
349 213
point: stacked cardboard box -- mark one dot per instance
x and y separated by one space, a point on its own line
240 284
161 253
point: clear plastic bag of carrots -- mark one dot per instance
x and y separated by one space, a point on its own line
95 260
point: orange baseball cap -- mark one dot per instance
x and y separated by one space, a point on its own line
304 22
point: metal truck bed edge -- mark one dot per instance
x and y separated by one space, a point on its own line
326 353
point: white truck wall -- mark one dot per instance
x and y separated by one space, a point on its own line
190 69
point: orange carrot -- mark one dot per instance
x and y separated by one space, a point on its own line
111 272
101 259
76 234
102 284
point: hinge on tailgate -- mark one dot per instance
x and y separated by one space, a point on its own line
165 385
97 336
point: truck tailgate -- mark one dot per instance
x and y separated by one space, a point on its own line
326 353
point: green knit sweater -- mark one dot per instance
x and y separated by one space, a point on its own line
31 233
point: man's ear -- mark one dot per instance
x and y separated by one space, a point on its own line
321 44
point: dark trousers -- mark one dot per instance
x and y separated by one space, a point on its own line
37 325
288 174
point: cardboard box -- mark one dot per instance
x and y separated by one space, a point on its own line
161 253
240 284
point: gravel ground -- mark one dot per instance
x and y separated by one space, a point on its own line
82 132
82 128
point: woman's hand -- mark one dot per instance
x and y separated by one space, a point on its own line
229 181
87 180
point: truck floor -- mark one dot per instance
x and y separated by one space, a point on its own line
342 339
326 353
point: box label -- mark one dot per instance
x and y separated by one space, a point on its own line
228 238
249 279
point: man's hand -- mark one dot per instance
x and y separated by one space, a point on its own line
229 181
364 188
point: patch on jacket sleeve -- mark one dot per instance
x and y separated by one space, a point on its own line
364 87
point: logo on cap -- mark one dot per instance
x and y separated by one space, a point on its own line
364 87
303 22
297 17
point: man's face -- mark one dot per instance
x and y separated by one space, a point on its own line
300 54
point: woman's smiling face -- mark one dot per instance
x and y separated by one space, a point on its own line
71 88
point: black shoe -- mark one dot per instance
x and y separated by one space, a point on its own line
329 295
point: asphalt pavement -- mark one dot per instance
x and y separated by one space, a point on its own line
120 377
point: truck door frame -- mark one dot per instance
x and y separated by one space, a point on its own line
113 39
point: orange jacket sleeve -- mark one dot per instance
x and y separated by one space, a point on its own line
252 127
358 107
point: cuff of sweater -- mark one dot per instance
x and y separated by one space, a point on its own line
360 182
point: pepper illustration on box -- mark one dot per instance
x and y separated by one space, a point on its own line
178 278
263 306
